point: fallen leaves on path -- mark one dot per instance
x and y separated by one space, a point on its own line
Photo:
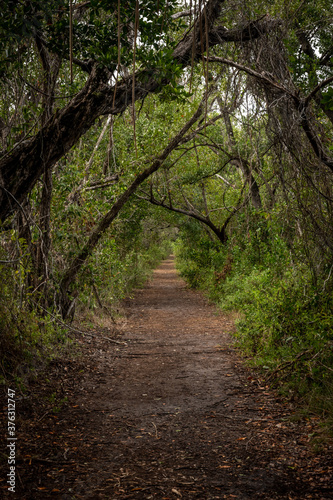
167 411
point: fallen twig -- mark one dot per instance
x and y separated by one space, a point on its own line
155 430
101 337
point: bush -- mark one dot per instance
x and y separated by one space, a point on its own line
286 320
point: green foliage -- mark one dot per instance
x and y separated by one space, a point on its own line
327 99
30 337
287 326
96 35
19 23
114 275
275 268
285 320
29 340
197 255
95 32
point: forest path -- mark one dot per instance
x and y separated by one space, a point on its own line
171 412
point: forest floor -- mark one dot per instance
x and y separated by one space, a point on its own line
164 408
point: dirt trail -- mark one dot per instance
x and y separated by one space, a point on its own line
171 413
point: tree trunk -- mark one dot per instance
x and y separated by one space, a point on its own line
240 162
23 166
44 242
51 66
74 268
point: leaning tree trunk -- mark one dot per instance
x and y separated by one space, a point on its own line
25 164
72 271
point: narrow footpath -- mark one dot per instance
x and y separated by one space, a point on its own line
169 411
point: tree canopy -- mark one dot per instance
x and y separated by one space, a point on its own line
125 124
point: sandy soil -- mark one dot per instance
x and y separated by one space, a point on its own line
167 410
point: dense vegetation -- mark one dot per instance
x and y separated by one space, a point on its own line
130 126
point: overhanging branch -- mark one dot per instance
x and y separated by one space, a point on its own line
20 169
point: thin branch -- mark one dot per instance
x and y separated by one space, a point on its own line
193 50
73 194
39 91
317 89
119 54
108 181
71 39
191 136
99 140
225 180
136 26
184 13
260 76
207 52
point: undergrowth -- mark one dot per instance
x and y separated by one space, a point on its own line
285 325
33 335
110 279
28 343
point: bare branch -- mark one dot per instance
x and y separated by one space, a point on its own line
264 78
317 89
100 228
225 180
184 13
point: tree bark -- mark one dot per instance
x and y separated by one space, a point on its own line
105 222
23 166
312 64
240 162
51 66
301 106
220 233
